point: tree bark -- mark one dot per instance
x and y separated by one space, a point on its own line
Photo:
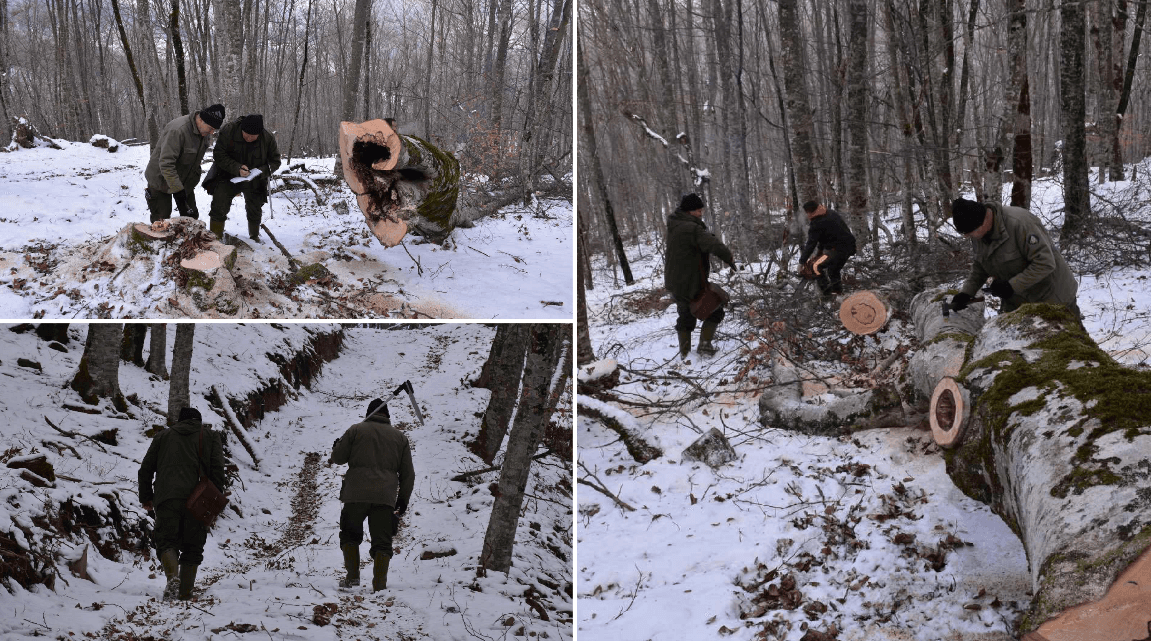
799 115
501 374
942 339
1076 194
584 351
428 75
178 49
158 351
178 394
132 66
132 345
1057 443
545 377
857 61
229 29
99 373
1128 80
1019 96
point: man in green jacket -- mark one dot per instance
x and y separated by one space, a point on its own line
685 269
377 487
175 458
174 167
243 145
1012 247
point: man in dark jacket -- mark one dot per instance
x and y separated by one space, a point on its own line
243 145
830 234
685 269
1011 247
175 458
377 487
174 167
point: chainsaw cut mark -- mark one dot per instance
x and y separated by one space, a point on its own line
950 409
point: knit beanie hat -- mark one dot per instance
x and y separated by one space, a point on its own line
252 124
213 116
188 412
691 202
967 215
383 410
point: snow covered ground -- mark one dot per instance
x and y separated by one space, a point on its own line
269 570
59 208
853 538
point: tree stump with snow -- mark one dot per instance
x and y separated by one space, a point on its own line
943 339
399 181
1057 440
712 449
864 312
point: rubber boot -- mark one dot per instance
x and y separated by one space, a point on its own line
187 581
254 229
380 571
706 334
170 560
684 343
217 227
351 565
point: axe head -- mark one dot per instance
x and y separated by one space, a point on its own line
407 387
946 308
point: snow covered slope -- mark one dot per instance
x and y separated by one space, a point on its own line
274 563
60 208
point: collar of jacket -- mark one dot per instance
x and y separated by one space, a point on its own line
680 214
188 426
191 126
377 418
997 235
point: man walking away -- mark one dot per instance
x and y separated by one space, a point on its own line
243 145
1013 249
377 487
830 234
685 269
175 458
174 168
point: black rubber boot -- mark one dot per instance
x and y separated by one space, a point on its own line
217 227
684 343
706 334
170 560
254 228
380 571
187 581
351 565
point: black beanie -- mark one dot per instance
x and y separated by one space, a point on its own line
691 202
252 124
967 215
213 116
188 412
383 410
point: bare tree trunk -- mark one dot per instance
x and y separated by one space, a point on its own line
558 27
153 136
1019 95
1076 193
99 373
1110 81
584 351
1125 93
545 378
352 83
132 345
6 123
857 61
496 92
178 49
300 85
158 351
802 128
178 394
428 76
501 374
230 31
592 156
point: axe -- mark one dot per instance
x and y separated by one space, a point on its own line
407 387
947 305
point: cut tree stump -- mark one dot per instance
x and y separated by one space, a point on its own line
864 312
943 340
1057 441
400 181
208 277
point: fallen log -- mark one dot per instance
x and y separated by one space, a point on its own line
802 401
943 340
399 181
1055 437
622 424
237 429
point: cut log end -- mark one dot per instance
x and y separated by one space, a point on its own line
203 261
950 408
159 230
863 313
1123 613
389 232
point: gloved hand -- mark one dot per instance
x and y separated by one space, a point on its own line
186 206
960 301
1001 289
734 267
401 507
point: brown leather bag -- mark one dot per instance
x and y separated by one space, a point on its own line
709 298
206 501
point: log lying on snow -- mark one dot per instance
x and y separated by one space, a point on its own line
622 424
943 339
399 181
1058 443
803 401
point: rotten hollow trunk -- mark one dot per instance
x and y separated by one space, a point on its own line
1057 440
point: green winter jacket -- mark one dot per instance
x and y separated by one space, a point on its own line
379 460
689 245
176 158
1018 250
232 150
172 459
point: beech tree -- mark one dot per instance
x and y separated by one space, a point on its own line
178 395
99 373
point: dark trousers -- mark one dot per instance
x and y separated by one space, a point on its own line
830 277
255 195
159 204
685 322
381 525
177 529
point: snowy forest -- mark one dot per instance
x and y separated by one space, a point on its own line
492 79
887 462
484 551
